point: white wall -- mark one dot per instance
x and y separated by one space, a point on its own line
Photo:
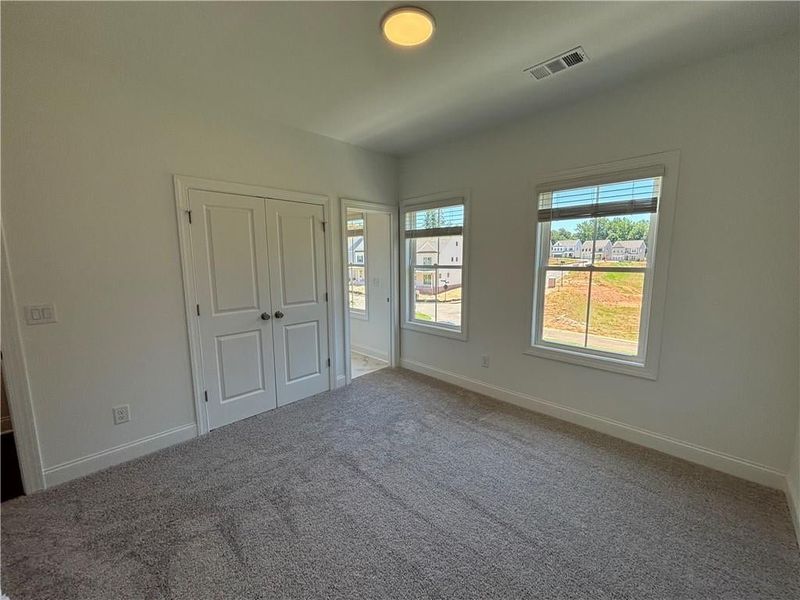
729 366
793 477
372 335
89 213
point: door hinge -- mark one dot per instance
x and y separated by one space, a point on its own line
323 225
205 394
326 296
198 309
189 214
329 362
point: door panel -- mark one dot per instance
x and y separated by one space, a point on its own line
232 275
298 266
241 364
296 241
301 347
232 260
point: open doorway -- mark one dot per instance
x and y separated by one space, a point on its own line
10 474
369 287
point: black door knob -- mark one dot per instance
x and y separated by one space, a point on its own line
265 316
278 314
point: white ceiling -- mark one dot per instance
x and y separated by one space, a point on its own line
324 67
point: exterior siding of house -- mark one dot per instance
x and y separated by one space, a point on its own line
448 253
629 250
602 249
566 249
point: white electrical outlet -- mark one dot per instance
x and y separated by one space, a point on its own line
122 414
485 361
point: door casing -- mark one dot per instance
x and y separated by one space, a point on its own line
185 183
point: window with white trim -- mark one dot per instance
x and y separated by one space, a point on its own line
433 237
595 268
356 263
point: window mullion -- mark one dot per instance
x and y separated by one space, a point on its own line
436 289
588 307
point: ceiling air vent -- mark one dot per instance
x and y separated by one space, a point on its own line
552 66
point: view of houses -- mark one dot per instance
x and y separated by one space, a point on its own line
605 250
444 253
356 263
438 263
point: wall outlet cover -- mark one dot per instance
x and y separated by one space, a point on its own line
122 414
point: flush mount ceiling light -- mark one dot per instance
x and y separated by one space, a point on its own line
408 26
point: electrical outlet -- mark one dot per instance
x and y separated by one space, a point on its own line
122 414
485 361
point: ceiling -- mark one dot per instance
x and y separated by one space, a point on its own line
324 66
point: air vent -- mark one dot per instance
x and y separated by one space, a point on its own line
549 67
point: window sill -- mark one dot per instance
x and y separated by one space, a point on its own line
435 330
604 363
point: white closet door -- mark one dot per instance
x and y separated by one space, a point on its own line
229 245
296 240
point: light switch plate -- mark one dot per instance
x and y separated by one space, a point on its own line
39 314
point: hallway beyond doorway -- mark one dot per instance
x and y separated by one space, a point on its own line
363 364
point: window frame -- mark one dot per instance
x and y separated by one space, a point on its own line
357 313
437 200
646 363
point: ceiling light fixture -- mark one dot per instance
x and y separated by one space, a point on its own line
408 26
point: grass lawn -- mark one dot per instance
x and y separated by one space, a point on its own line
615 308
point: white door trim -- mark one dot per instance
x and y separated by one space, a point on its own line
18 386
394 289
185 183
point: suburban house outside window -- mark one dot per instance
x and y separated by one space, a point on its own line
596 269
435 279
356 264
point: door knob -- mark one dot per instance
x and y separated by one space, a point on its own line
278 314
265 316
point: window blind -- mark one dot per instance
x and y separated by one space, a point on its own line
435 222
631 193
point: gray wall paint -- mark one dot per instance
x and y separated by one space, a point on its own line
89 211
793 477
728 379
373 335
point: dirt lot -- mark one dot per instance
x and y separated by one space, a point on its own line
615 310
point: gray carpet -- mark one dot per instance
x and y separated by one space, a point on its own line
401 487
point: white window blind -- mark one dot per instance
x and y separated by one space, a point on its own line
435 222
627 193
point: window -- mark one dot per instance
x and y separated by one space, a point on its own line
593 307
356 264
435 277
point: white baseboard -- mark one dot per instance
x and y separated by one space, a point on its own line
719 461
793 498
371 352
340 380
100 460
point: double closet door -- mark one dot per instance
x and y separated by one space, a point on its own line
259 267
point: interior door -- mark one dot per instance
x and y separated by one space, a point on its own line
296 240
229 245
